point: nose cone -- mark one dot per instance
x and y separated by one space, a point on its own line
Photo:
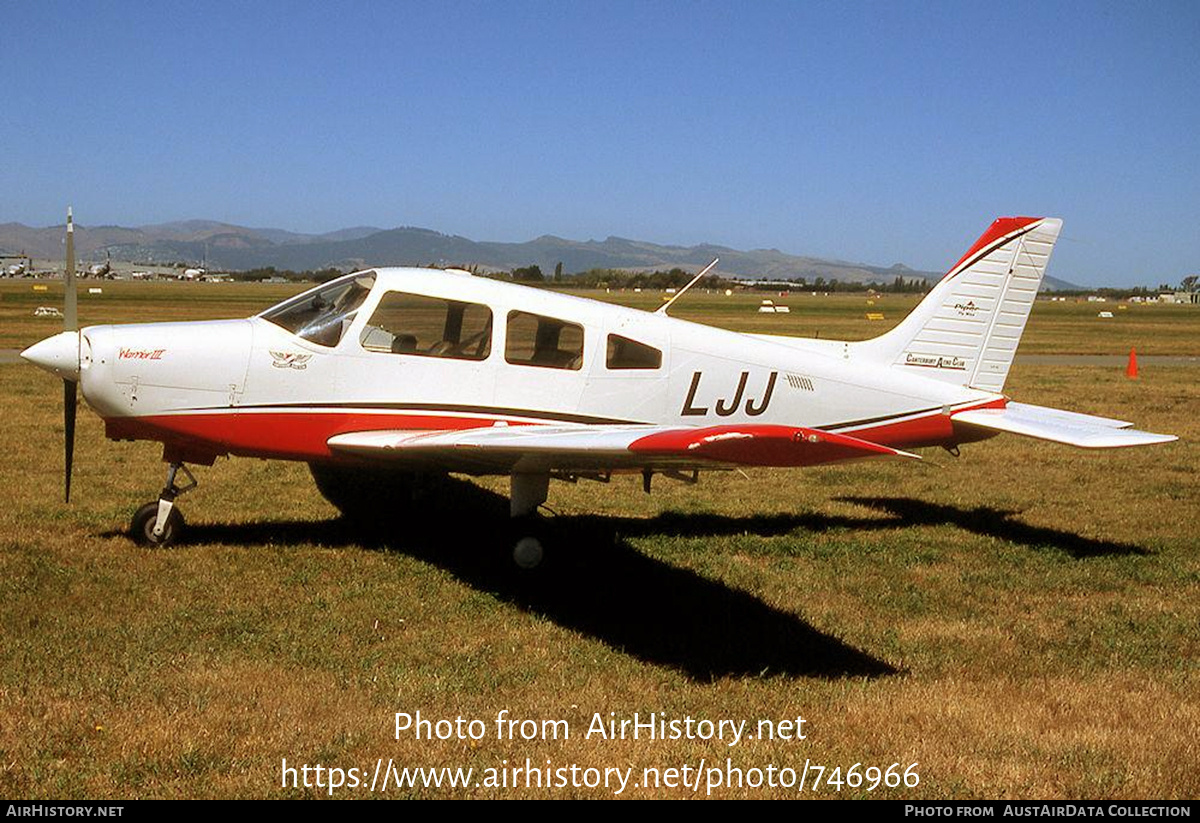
58 354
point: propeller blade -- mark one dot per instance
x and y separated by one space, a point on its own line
70 388
70 297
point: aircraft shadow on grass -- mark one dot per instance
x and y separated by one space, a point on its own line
991 522
596 583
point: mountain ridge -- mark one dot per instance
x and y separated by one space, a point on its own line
233 247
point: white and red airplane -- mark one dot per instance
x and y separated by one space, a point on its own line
384 377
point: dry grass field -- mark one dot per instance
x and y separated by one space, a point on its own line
1021 622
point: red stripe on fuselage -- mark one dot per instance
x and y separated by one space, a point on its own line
275 435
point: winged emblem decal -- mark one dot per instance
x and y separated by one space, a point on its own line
290 360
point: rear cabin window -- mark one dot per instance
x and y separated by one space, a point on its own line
534 340
429 327
624 353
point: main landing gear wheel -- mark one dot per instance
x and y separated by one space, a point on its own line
528 552
527 531
141 528
527 537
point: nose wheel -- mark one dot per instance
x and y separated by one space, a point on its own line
159 522
141 528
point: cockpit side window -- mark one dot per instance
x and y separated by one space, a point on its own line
429 327
534 340
624 353
322 316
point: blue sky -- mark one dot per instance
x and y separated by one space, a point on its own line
877 132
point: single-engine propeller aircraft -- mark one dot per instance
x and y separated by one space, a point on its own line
384 379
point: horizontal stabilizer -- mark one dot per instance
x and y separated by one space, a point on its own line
1074 429
612 446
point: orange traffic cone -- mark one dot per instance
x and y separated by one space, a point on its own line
1131 370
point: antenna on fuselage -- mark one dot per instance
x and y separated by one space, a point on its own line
663 308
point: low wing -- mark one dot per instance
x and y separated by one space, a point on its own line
1074 429
610 447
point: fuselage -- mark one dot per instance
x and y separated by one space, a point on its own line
363 353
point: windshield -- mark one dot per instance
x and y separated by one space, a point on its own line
323 315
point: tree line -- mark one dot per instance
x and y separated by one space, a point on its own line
606 278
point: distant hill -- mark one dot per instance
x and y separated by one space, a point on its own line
231 247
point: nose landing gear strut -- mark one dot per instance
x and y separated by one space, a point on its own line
159 523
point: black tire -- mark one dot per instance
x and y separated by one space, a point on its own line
528 542
141 527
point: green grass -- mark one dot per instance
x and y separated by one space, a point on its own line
1021 620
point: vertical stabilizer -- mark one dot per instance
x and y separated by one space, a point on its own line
967 328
